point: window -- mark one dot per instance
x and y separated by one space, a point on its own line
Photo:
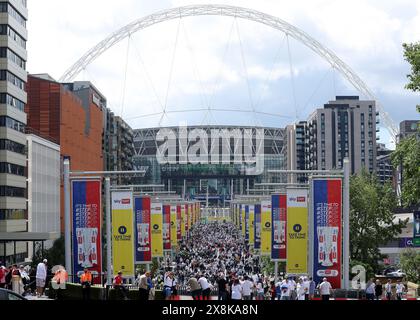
13 192
12 214
10 77
7 30
13 57
12 146
6 7
12 124
12 101
10 168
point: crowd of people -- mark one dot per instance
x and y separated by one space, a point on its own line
24 280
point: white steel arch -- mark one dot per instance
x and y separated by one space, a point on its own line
237 12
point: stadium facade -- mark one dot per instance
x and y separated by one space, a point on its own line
225 158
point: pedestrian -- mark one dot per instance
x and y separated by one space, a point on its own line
312 287
388 290
285 291
9 273
205 287
16 280
143 286
25 280
3 273
195 287
86 282
119 285
300 290
222 287
236 290
370 290
168 283
325 289
260 291
400 289
246 288
378 290
306 287
41 277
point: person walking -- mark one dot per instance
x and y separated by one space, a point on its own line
292 287
41 277
388 290
86 282
325 289
167 285
260 291
400 289
3 273
143 286
370 290
205 287
246 288
236 290
312 287
16 280
222 288
119 285
195 288
285 291
300 290
378 290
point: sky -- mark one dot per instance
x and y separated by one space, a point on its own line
245 72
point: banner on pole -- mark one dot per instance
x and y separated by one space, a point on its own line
178 223
143 240
266 225
297 231
251 225
157 230
247 223
123 233
166 228
416 222
174 236
87 222
182 222
257 227
327 230
279 231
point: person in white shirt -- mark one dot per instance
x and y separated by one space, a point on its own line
325 289
41 277
246 288
236 290
306 287
205 287
292 288
285 290
388 290
300 291
400 290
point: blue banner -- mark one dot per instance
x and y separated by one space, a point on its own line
246 223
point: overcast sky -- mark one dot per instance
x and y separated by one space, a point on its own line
223 63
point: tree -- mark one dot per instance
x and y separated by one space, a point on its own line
407 157
412 56
410 265
371 218
55 255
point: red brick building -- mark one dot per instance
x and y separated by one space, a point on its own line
73 116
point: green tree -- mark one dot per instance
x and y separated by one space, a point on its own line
55 255
407 156
371 219
410 265
412 56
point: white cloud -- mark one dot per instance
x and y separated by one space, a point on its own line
365 34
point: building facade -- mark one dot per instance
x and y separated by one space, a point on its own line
408 128
296 150
72 115
344 128
13 76
221 166
385 171
43 188
118 147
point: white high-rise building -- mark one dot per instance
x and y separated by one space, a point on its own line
13 76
